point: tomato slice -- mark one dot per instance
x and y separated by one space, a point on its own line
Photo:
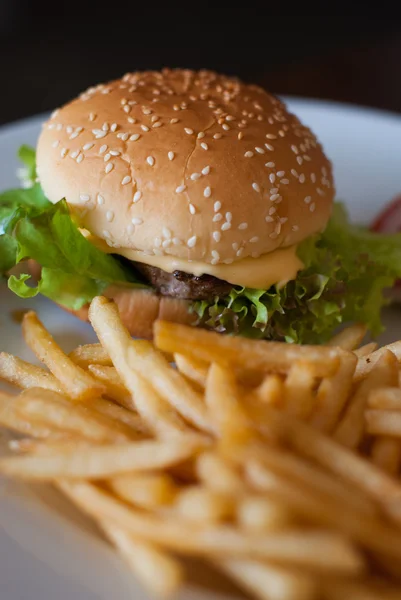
389 219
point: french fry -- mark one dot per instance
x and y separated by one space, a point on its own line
157 413
159 573
367 363
18 372
78 384
370 531
349 432
98 462
260 514
150 490
270 582
356 590
388 398
218 474
240 353
350 337
90 354
298 390
333 393
270 391
202 505
118 413
10 419
386 454
194 370
56 411
223 400
114 387
383 422
320 550
366 349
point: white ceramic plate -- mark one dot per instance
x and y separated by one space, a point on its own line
45 553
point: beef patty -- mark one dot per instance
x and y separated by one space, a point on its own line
184 285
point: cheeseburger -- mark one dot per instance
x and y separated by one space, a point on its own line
192 197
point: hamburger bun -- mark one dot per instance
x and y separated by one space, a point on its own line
187 164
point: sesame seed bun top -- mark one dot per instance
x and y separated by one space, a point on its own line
189 164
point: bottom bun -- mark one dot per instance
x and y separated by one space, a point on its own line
139 308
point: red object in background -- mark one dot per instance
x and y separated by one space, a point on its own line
389 220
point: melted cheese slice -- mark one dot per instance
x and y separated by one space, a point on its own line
276 267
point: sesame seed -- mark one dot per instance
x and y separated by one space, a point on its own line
308 199
106 234
158 242
80 158
313 178
136 221
229 216
180 189
130 229
59 127
225 127
217 206
109 167
272 178
137 196
274 197
63 152
206 170
201 135
294 173
216 236
204 146
126 180
217 136
273 190
127 108
157 124
105 126
226 226
235 246
55 143
324 171
146 111
68 129
240 252
283 220
98 133
285 181
273 235
270 165
295 228
100 199
195 176
260 150
88 146
174 121
300 160
166 243
144 128
302 178
280 173
271 136
176 241
248 154
171 155
320 191
115 153
192 209
294 149
216 256
150 160
131 120
107 157
188 130
272 210
192 241
109 216
254 239
269 219
103 149
217 217
256 187
113 127
269 147
242 226
134 137
92 116
166 232
312 207
207 192
84 197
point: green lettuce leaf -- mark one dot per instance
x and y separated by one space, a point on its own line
74 271
347 272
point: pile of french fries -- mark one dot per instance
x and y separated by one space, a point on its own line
277 463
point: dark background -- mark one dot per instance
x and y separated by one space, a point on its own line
50 55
